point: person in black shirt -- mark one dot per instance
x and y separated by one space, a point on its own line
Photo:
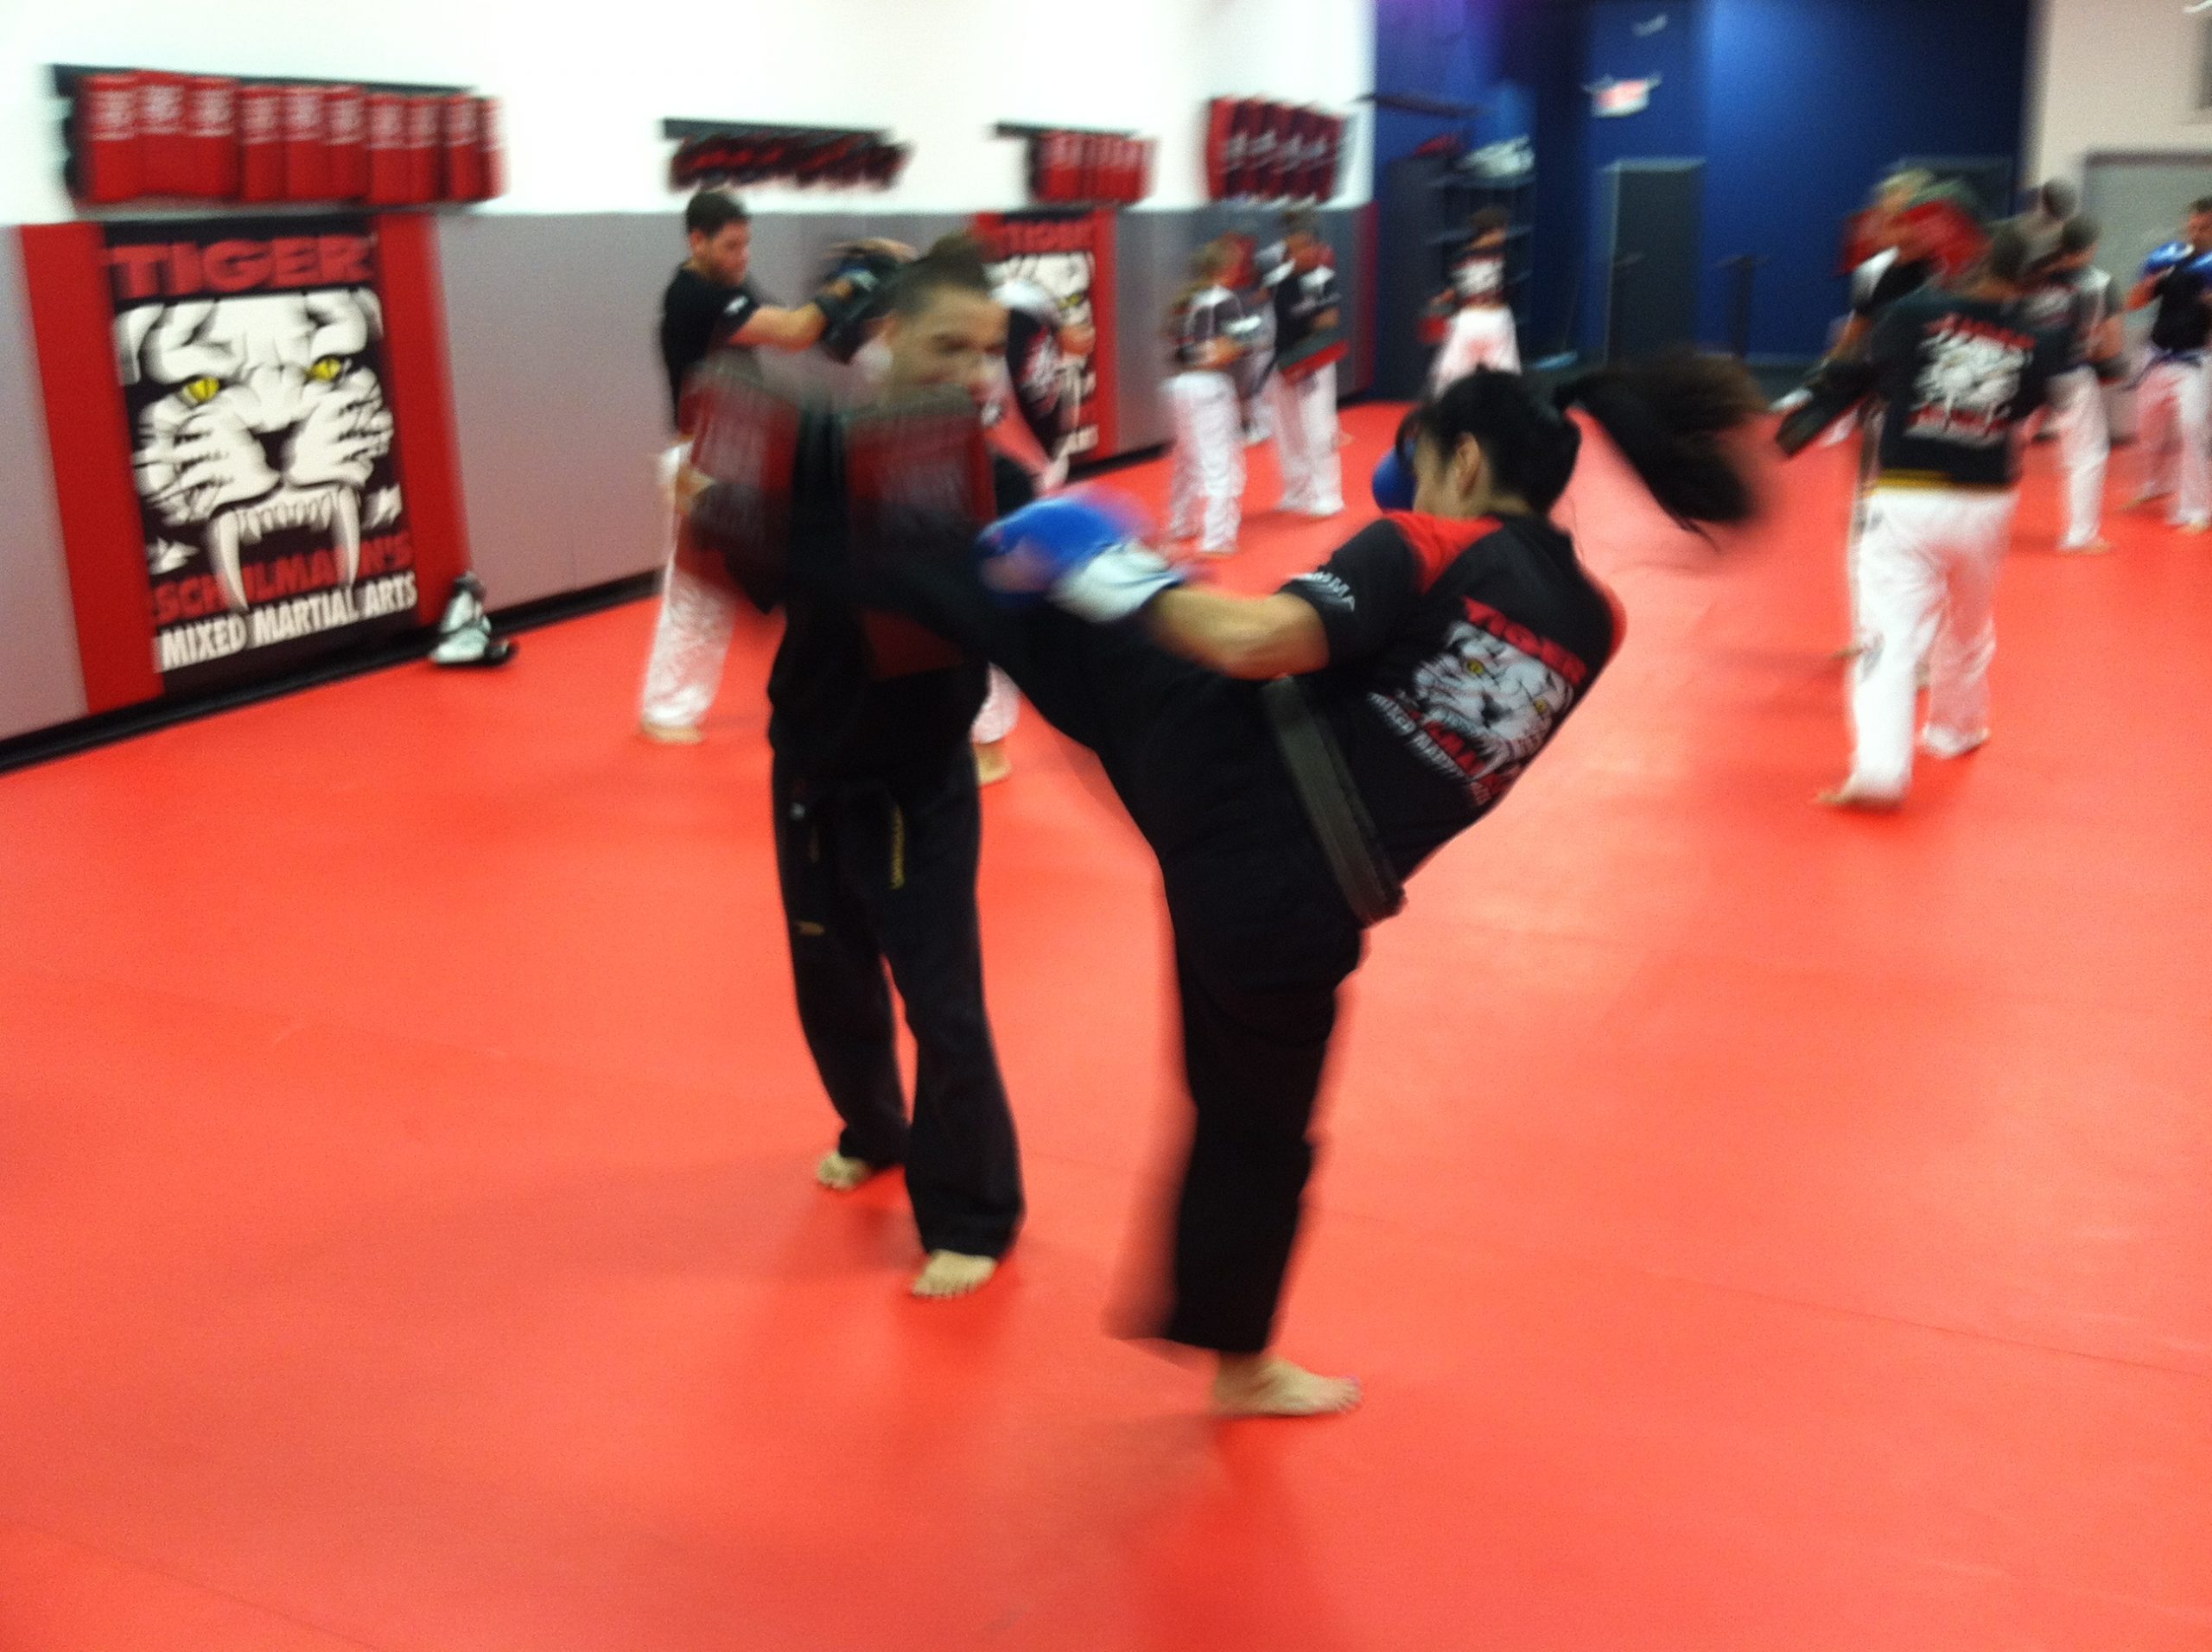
878 834
1290 758
2174 399
1308 313
709 304
1958 373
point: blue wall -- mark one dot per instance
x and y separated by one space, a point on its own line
1814 99
1621 43
1797 105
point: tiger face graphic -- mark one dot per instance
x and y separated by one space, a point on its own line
259 415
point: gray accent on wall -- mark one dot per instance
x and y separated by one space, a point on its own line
559 399
560 407
40 681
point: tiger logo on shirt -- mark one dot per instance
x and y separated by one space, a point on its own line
1483 709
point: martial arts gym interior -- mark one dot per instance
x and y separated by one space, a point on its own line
799 845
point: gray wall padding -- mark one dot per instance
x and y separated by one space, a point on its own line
557 390
560 407
42 683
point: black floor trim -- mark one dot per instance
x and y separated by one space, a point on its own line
65 740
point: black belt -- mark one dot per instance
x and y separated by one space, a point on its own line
1332 807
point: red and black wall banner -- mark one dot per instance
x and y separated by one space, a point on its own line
250 477
1070 256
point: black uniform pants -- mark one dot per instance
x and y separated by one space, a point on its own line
1263 937
883 873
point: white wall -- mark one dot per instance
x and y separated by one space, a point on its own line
2113 75
585 88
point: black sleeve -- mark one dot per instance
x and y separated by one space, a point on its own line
1895 344
687 332
742 306
1012 487
1363 593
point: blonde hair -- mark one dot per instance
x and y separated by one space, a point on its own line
1208 265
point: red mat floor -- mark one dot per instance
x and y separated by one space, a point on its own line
1757 1229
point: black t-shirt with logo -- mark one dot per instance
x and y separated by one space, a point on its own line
696 315
1206 316
1301 298
1956 375
2183 322
1479 277
1456 650
2073 302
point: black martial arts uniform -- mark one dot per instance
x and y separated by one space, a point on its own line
878 833
1456 650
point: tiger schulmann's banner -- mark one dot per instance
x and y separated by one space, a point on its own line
1067 257
251 354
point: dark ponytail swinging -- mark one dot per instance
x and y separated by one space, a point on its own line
1668 414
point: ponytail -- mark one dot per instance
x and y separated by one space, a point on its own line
1668 414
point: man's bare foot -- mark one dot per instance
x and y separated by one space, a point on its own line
1848 651
992 763
2086 548
670 734
949 1274
841 1175
1850 794
1944 742
1261 1385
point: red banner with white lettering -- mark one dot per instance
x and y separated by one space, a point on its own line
1068 257
263 442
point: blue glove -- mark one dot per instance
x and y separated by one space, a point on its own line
2168 257
1393 483
1081 552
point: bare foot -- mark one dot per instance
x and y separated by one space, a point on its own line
1850 796
1261 1385
841 1175
992 763
949 1274
1849 651
2087 548
1942 742
669 734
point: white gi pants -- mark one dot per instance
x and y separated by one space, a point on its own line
1927 565
2173 409
1305 443
691 635
1207 492
1481 336
2077 407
